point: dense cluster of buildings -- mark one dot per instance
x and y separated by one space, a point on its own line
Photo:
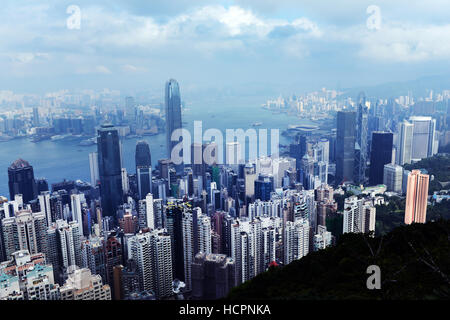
194 231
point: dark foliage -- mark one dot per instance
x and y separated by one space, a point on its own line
414 262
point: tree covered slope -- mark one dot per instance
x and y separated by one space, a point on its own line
414 262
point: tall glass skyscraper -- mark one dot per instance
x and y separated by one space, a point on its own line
109 165
21 180
143 169
345 146
404 143
361 150
381 154
173 113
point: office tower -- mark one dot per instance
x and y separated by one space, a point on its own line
41 185
361 148
404 143
110 169
295 240
164 166
143 168
21 180
298 149
322 239
393 177
324 146
416 197
213 276
125 181
197 163
280 166
234 155
83 285
249 179
36 121
381 154
359 215
93 166
151 251
263 187
129 103
306 176
345 147
174 213
424 132
173 113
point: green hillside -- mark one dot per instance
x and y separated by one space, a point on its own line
414 262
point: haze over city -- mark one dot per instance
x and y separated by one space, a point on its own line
188 151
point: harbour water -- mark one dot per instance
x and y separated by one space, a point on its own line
58 160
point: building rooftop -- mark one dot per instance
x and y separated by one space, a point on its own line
19 164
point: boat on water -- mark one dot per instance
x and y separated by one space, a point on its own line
4 138
59 137
257 124
87 142
38 138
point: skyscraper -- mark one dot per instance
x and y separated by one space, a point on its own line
404 143
416 197
36 121
93 166
381 154
361 150
21 180
393 177
173 113
143 168
423 144
345 146
109 164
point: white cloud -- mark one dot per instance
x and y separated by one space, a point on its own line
406 43
132 69
102 69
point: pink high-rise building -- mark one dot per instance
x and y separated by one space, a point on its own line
416 197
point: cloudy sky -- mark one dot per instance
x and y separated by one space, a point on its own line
137 44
